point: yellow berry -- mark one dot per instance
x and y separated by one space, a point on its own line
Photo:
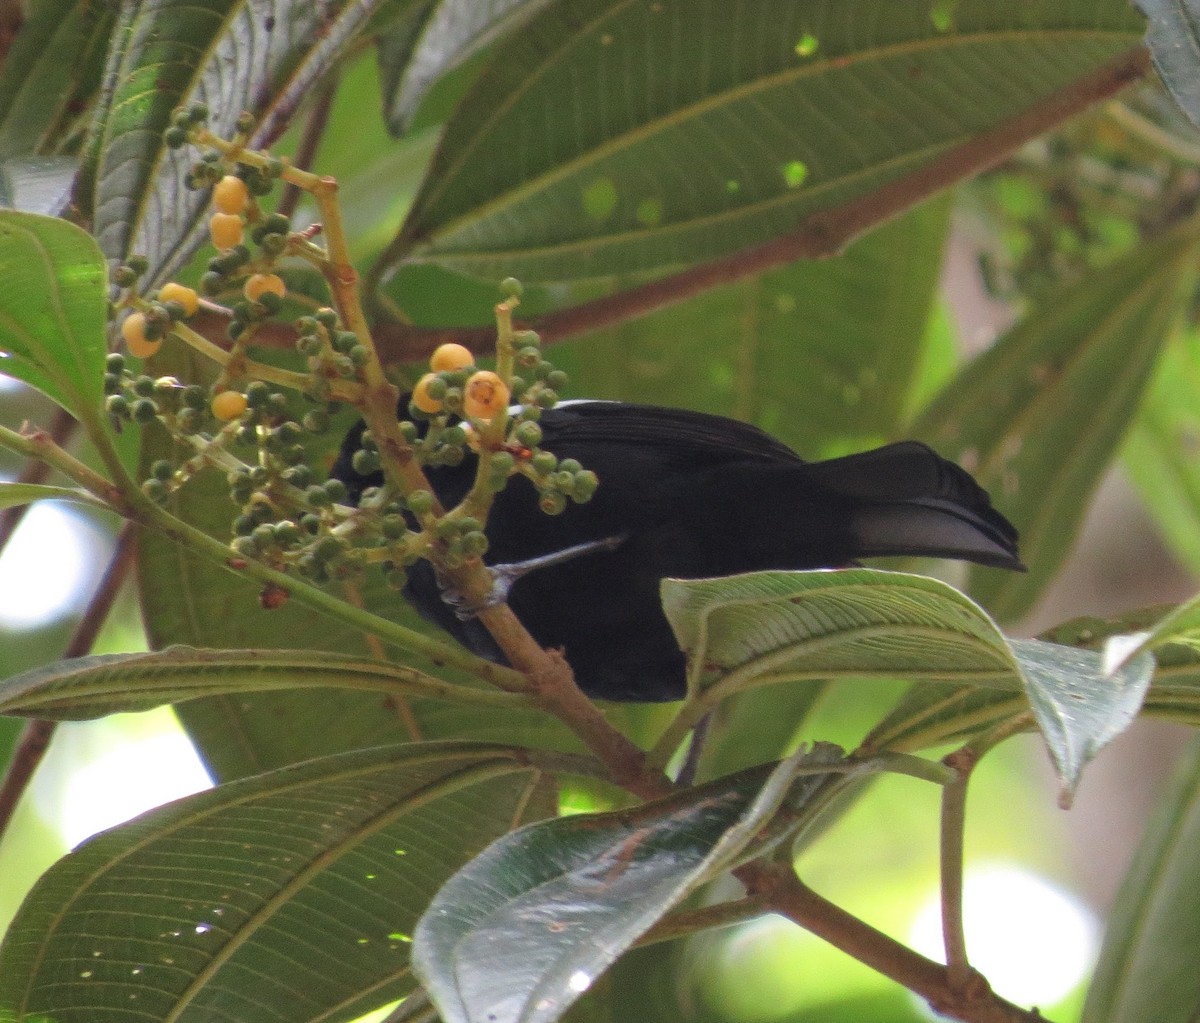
261 284
133 330
186 297
449 357
225 229
228 405
485 395
230 194
422 398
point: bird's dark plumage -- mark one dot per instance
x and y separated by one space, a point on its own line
693 496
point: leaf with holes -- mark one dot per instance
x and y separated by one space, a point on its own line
287 896
607 137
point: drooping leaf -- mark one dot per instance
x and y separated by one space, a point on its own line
91 687
761 627
285 897
54 310
822 354
1173 36
51 69
1079 706
1147 968
1158 453
1038 417
451 31
519 933
260 56
608 137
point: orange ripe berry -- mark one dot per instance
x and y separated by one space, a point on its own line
449 357
133 330
485 395
258 285
230 194
186 297
225 230
228 405
422 398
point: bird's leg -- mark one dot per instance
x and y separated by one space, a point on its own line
503 576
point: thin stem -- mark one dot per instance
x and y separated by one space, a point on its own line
35 737
62 426
310 140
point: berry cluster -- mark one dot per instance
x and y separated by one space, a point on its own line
288 515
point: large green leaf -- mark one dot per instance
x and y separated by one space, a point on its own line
609 137
1158 453
260 56
91 687
822 354
283 898
54 309
1038 417
15 494
1147 968
524 929
50 71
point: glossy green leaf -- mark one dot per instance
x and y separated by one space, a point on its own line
1173 36
524 929
232 55
1038 417
283 898
1079 705
608 137
764 627
1147 968
54 310
91 687
51 69
1159 451
822 354
451 32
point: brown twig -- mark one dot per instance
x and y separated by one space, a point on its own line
35 737
820 235
783 892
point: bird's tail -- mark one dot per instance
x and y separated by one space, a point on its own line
905 499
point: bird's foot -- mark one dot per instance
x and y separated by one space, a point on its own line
503 576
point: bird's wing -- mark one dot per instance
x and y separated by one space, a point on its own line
678 431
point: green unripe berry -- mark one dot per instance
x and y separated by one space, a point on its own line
259 476
264 535
544 462
114 362
420 502
501 462
299 476
287 533
528 435
194 397
328 548
393 527
244 525
528 357
116 405
144 410
475 544
310 523
124 277
556 379
396 578
274 244
570 465
343 340
336 490
327 318
245 546
155 489
510 287
317 496
162 470
143 386
257 393
586 483
212 283
365 462
138 264
546 398
112 383
552 503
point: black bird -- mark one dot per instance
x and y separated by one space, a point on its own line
689 495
